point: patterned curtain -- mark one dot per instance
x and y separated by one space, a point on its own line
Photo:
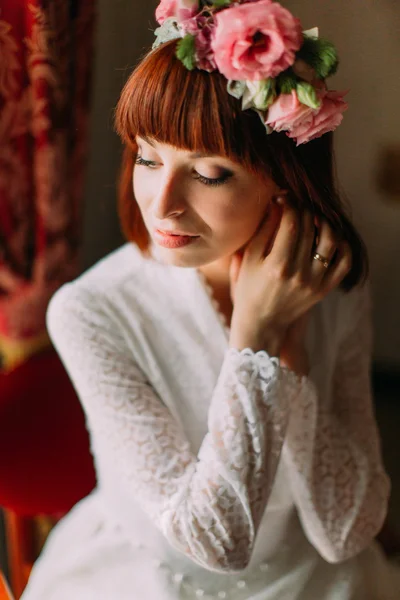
46 50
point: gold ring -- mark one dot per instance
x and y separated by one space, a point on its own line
322 259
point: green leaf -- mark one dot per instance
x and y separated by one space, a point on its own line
221 3
265 94
321 55
307 94
287 81
185 51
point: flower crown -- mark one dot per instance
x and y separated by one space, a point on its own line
273 66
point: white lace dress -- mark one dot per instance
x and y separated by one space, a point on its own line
221 474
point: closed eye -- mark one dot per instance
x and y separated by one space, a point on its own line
210 181
205 180
146 163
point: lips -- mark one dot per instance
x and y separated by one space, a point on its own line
176 232
168 240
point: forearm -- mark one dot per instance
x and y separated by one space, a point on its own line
247 423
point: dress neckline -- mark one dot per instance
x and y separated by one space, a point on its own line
209 292
213 301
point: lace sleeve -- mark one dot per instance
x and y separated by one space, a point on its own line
208 506
338 480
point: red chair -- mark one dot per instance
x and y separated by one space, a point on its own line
45 461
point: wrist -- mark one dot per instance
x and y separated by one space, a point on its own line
256 339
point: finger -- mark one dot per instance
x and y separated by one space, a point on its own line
326 247
261 240
235 268
339 268
286 238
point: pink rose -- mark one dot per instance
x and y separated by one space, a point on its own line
181 9
327 118
287 112
255 40
302 122
165 9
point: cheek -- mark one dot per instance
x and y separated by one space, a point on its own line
138 188
142 187
240 216
239 220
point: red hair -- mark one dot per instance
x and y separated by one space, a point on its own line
192 110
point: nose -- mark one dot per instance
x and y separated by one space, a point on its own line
170 199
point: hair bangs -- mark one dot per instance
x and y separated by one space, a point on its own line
190 110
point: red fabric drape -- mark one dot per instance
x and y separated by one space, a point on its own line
45 68
46 56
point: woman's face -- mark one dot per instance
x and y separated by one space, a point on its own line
211 198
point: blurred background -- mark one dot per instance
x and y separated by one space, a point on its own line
62 66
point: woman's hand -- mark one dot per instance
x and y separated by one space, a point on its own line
276 281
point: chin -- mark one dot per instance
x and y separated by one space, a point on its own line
183 257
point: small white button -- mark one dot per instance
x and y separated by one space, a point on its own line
264 567
241 583
178 577
222 594
199 593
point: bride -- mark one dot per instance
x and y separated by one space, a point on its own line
222 354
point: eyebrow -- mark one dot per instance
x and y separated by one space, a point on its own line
192 155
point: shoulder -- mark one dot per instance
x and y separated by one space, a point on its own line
93 295
112 271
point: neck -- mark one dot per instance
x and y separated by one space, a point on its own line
217 276
217 273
